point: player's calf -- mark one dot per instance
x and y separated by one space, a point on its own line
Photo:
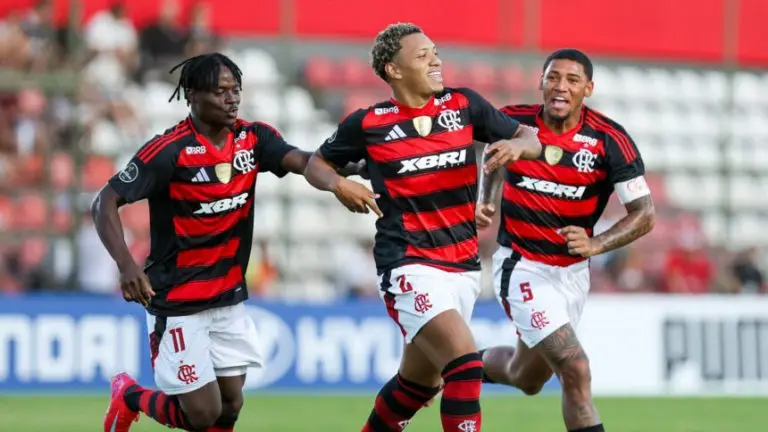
448 342
519 367
567 358
397 403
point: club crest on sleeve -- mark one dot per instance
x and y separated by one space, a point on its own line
423 125
129 174
224 172
552 154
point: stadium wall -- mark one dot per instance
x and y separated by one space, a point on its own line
638 345
651 29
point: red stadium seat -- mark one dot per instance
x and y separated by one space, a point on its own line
135 218
96 172
6 213
321 72
31 210
29 171
62 171
355 101
512 78
355 73
482 77
454 76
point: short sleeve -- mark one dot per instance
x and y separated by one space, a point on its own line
489 124
347 144
623 157
271 149
148 172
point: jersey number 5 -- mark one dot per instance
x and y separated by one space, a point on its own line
525 288
177 336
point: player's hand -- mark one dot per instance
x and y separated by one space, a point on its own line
484 214
579 243
504 152
135 286
356 197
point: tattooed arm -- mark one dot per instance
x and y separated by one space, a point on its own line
638 222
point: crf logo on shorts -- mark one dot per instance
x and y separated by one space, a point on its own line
468 426
223 205
551 188
442 160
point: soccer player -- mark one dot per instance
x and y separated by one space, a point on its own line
422 165
199 177
549 209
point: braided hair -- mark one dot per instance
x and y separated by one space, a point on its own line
201 73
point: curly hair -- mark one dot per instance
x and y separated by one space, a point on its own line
387 45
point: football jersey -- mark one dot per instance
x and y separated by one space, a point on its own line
569 184
201 211
422 163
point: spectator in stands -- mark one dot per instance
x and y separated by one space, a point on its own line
200 37
356 270
38 27
748 277
15 46
112 38
262 271
162 42
688 268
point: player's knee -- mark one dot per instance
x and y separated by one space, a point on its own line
204 417
231 405
575 375
531 388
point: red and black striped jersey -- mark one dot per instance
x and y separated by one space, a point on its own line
201 211
422 163
569 184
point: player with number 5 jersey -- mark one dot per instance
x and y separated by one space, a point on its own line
421 159
548 213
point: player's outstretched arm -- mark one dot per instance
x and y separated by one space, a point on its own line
323 175
524 145
106 219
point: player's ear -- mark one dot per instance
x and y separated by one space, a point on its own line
190 96
589 89
393 71
541 82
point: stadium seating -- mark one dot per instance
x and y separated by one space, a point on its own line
710 157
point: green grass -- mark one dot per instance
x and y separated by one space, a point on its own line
347 413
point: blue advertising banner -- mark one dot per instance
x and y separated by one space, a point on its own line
76 343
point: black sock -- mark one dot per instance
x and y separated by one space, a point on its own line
397 402
595 428
486 378
163 408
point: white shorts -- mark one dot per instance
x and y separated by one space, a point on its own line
539 298
193 350
415 293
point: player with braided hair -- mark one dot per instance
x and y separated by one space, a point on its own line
199 178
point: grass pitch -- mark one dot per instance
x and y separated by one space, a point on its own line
278 413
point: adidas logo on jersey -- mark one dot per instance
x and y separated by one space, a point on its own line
395 133
201 177
551 188
433 161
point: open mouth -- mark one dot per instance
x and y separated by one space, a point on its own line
436 76
232 112
559 102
